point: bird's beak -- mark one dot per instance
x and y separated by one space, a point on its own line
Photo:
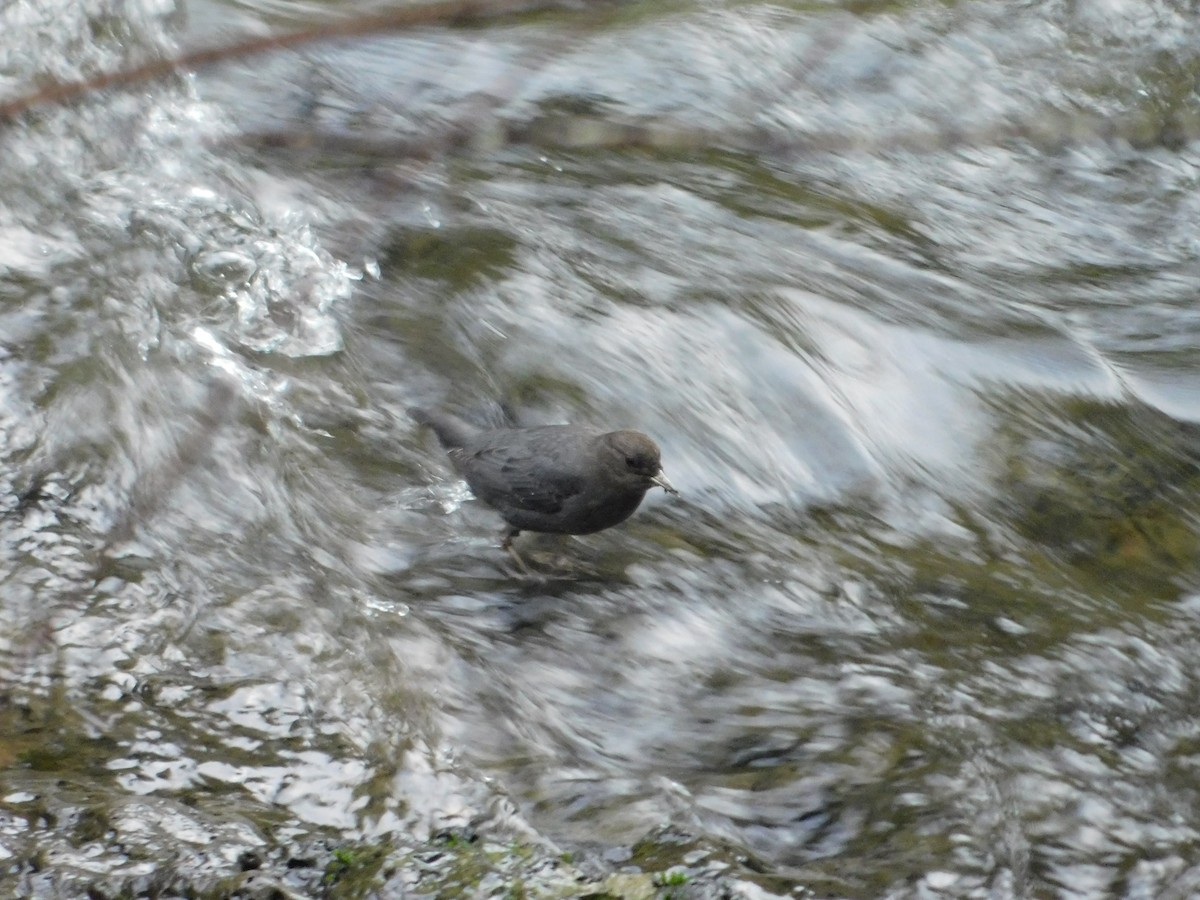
661 480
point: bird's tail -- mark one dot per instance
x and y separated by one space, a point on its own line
452 431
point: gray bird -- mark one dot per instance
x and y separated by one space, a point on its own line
563 479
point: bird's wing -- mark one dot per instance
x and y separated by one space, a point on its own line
511 478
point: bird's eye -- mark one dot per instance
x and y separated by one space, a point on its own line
631 461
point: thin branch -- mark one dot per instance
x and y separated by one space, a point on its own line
445 12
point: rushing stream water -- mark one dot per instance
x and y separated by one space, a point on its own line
906 292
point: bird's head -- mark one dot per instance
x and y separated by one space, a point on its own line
634 459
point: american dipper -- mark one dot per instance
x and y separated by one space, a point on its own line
563 479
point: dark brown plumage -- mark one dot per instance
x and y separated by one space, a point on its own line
563 479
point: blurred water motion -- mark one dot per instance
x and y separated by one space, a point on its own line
922 624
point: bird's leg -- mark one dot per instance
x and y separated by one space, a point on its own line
507 544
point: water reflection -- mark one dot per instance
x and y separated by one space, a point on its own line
922 621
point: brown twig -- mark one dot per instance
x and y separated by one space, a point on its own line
445 12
